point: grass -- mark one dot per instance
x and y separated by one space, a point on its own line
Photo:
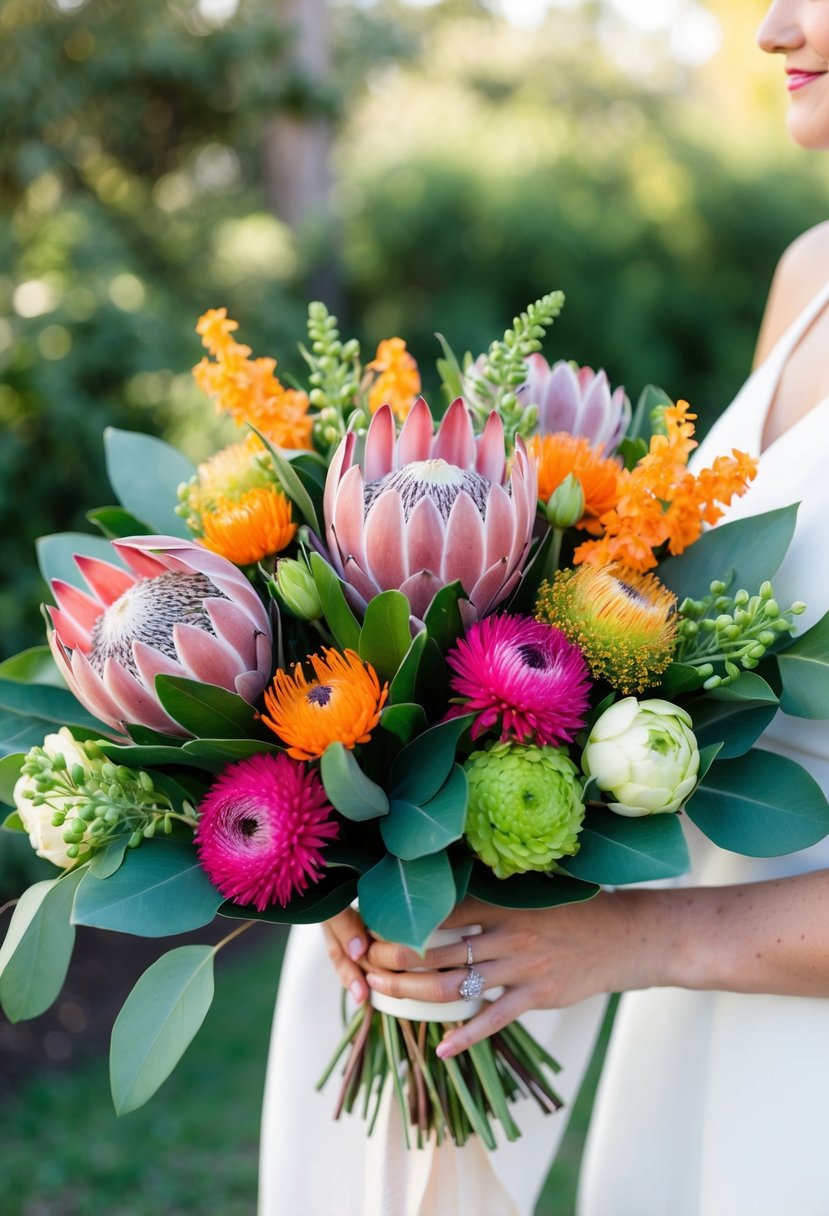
192 1151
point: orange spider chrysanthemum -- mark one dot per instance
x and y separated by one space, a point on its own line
661 503
246 388
255 525
398 380
561 454
342 705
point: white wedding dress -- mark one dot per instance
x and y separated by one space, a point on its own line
712 1104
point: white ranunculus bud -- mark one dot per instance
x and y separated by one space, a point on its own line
46 839
645 754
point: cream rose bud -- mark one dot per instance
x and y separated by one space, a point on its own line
46 839
643 753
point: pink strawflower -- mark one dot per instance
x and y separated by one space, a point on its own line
263 827
522 674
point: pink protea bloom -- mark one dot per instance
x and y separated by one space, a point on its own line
177 610
576 400
262 831
418 510
523 674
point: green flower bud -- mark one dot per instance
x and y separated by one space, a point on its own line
717 587
565 506
525 807
297 590
771 608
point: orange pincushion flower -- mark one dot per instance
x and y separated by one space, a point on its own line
255 525
342 705
661 503
246 388
398 380
561 454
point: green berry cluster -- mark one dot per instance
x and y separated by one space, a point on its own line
724 635
99 801
335 375
503 370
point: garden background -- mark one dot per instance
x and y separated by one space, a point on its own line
419 166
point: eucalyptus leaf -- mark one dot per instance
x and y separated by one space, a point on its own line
9 775
804 670
403 687
115 522
528 890
159 890
405 720
348 788
19 733
416 831
35 954
322 900
158 1022
615 850
462 873
443 620
680 678
419 771
750 549
338 615
33 666
107 860
145 473
650 397
205 710
747 687
385 638
707 756
13 823
405 901
734 723
760 805
45 701
56 555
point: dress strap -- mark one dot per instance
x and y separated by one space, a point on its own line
790 338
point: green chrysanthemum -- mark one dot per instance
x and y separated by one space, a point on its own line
624 623
525 807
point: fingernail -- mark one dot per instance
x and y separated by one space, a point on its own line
355 948
373 981
357 991
444 1051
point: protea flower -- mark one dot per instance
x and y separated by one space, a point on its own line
578 401
420 510
178 610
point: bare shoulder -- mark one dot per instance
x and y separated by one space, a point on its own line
801 273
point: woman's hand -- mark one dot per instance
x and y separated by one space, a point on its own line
543 959
346 940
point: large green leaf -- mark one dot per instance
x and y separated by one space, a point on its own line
416 831
324 899
338 616
45 701
145 474
528 890
349 789
804 670
32 666
735 723
762 805
9 773
115 522
405 720
55 555
158 1022
403 686
159 890
19 733
405 901
292 484
420 769
385 637
616 850
680 678
443 620
36 951
218 752
207 711
752 549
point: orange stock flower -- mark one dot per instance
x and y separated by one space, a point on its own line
398 380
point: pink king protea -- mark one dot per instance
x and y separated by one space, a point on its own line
523 675
178 610
420 510
263 828
578 401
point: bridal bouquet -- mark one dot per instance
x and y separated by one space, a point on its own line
369 652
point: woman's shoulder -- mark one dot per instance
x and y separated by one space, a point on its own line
801 273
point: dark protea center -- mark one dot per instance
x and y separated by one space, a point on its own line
147 612
436 479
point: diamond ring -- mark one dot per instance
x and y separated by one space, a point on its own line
473 984
469 960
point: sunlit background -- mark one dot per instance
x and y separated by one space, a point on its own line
422 166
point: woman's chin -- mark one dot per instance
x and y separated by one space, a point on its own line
810 131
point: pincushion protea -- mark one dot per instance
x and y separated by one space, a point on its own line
419 510
576 400
177 610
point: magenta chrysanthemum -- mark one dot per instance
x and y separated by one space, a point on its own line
263 826
522 674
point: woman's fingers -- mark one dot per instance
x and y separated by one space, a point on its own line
494 1017
388 956
438 985
346 941
471 912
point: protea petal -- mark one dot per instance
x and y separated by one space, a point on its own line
420 589
385 541
465 545
490 458
455 440
89 689
144 564
342 459
593 420
82 610
107 581
379 457
426 537
204 656
135 703
233 628
70 633
500 525
360 579
150 663
348 515
486 592
415 442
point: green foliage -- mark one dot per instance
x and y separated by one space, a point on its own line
145 474
347 786
206 710
615 850
404 901
385 638
37 948
412 831
528 890
804 669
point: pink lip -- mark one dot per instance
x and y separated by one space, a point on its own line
799 80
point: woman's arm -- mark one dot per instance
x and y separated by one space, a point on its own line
760 937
